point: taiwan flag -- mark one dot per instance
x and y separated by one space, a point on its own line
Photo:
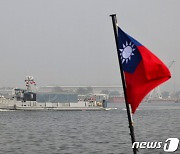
143 71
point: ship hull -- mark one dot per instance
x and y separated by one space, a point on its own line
35 106
116 99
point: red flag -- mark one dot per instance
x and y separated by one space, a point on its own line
143 71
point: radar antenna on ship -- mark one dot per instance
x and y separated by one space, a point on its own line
30 83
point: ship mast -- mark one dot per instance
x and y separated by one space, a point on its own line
29 81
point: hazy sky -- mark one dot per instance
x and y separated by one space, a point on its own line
71 42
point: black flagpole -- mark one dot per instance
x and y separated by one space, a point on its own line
114 21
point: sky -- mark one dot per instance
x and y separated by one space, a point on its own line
67 42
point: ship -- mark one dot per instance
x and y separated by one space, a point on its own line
26 100
116 99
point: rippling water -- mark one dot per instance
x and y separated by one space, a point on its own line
87 132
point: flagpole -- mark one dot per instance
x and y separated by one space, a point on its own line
131 127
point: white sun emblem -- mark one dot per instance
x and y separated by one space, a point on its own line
127 52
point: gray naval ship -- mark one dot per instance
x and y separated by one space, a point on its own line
26 99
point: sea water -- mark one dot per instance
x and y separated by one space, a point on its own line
87 132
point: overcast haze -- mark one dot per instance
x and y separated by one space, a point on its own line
66 42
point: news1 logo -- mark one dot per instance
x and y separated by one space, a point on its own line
170 145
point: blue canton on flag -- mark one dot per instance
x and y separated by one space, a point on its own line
129 54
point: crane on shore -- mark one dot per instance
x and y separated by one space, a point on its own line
156 93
